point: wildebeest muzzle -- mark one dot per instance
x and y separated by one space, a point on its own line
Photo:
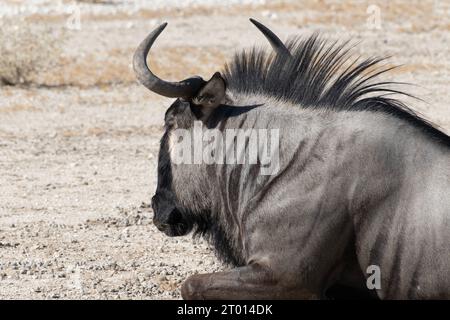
167 217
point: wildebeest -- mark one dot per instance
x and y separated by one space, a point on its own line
362 180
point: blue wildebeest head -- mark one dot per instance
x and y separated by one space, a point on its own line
360 182
197 99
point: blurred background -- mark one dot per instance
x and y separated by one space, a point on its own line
79 137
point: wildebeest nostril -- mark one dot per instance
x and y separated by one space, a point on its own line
160 225
165 216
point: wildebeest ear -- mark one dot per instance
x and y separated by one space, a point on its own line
212 93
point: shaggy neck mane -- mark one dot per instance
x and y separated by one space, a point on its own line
210 227
322 75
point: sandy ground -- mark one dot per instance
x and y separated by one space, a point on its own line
78 148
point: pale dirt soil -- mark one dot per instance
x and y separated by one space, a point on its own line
78 149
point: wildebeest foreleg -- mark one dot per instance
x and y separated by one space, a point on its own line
248 282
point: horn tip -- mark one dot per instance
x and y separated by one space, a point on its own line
255 22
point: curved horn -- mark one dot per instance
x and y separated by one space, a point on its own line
274 41
183 89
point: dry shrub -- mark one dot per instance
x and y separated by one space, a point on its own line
26 50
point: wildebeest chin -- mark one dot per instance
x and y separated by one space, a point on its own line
361 195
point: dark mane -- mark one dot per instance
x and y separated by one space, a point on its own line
207 225
313 78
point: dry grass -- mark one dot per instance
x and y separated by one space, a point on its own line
170 63
427 15
26 51
19 108
41 50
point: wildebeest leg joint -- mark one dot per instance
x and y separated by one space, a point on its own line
248 282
